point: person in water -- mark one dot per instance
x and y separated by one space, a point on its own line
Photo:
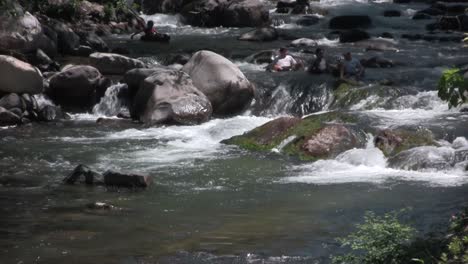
284 61
320 64
149 30
351 68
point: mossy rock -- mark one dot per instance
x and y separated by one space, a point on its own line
311 138
346 95
392 142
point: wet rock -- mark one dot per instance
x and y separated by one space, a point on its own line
83 172
110 63
378 44
21 33
260 34
11 101
92 40
8 118
178 59
350 22
67 40
118 179
387 35
353 35
101 206
31 103
314 137
133 78
307 21
261 57
431 11
76 86
346 96
170 97
19 77
210 13
401 1
391 13
83 51
424 158
304 42
377 62
451 23
221 81
392 142
51 113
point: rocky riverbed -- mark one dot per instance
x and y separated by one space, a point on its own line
193 153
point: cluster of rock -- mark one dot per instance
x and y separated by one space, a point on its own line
213 13
84 174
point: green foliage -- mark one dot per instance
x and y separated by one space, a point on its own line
379 240
452 87
457 246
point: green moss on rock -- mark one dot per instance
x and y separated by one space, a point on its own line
392 142
271 134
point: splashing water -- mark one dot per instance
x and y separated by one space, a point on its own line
110 104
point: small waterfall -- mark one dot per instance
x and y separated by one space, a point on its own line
111 104
42 100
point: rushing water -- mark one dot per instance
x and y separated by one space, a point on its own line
212 203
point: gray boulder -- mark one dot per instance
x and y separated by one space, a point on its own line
221 81
8 118
76 86
133 78
20 33
11 101
170 97
19 77
110 63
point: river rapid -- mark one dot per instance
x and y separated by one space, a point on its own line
213 203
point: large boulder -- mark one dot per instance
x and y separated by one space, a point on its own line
110 63
22 33
221 81
13 100
314 137
76 86
213 13
169 97
260 34
350 22
19 77
129 180
133 78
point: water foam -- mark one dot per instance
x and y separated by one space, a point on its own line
368 165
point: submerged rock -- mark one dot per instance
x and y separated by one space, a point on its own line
221 81
83 172
392 142
308 21
170 97
118 179
424 158
110 63
261 57
304 42
260 34
377 62
350 22
313 137
19 77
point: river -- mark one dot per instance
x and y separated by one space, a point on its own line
212 203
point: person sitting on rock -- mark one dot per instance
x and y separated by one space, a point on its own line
351 68
320 64
284 61
149 30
